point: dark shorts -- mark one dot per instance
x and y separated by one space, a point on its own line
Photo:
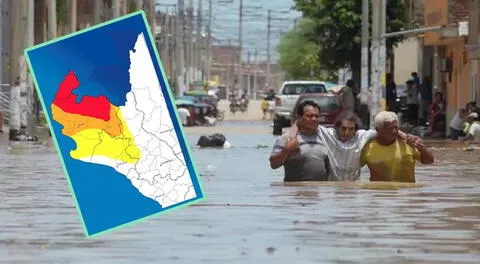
413 112
454 133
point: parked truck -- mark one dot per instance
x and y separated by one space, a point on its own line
287 97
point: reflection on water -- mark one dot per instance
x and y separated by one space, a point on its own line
250 216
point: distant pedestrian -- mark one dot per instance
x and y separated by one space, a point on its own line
184 116
412 100
347 96
391 92
264 107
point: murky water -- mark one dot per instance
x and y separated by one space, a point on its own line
246 218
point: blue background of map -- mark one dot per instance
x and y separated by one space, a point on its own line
100 59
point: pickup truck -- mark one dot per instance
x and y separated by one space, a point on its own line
287 97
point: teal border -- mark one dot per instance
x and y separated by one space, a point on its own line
183 137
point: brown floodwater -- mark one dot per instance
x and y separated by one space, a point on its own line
249 215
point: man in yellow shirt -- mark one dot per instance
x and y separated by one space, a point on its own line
390 158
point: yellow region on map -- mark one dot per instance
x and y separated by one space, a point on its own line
95 137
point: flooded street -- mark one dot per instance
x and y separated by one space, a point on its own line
248 216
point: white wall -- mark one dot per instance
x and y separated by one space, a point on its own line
406 60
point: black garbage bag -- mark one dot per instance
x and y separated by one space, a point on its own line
215 140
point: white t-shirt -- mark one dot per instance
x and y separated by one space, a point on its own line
184 115
457 122
344 157
474 130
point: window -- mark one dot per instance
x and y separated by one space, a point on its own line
298 88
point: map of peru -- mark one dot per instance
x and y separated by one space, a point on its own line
114 124
136 139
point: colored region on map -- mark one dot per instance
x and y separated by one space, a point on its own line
89 106
94 134
114 124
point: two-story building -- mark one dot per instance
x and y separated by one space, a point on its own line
453 68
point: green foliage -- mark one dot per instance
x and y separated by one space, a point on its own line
298 54
337 28
63 10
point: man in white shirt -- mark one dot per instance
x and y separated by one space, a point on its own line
458 121
184 116
473 134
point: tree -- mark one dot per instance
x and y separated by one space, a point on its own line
298 54
337 28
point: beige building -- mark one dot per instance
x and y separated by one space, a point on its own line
406 60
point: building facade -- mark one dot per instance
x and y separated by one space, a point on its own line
454 69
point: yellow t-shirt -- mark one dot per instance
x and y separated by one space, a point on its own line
264 105
394 163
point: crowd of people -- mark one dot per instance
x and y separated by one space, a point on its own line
466 124
311 152
429 108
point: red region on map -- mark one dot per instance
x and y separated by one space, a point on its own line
97 107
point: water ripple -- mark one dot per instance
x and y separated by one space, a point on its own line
249 217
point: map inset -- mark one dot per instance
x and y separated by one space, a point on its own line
114 123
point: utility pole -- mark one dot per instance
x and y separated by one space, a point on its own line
378 56
173 50
255 75
30 102
3 29
269 26
198 34
374 59
228 75
73 16
125 7
180 48
382 58
165 33
139 4
209 37
248 73
52 19
116 8
240 32
17 66
97 6
189 41
152 14
365 37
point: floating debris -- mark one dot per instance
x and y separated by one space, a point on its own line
271 250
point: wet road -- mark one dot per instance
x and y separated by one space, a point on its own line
247 218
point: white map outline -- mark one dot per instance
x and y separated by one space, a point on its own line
161 173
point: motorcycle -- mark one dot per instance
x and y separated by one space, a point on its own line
243 105
217 114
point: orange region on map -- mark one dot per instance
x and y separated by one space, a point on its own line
93 134
98 107
74 123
